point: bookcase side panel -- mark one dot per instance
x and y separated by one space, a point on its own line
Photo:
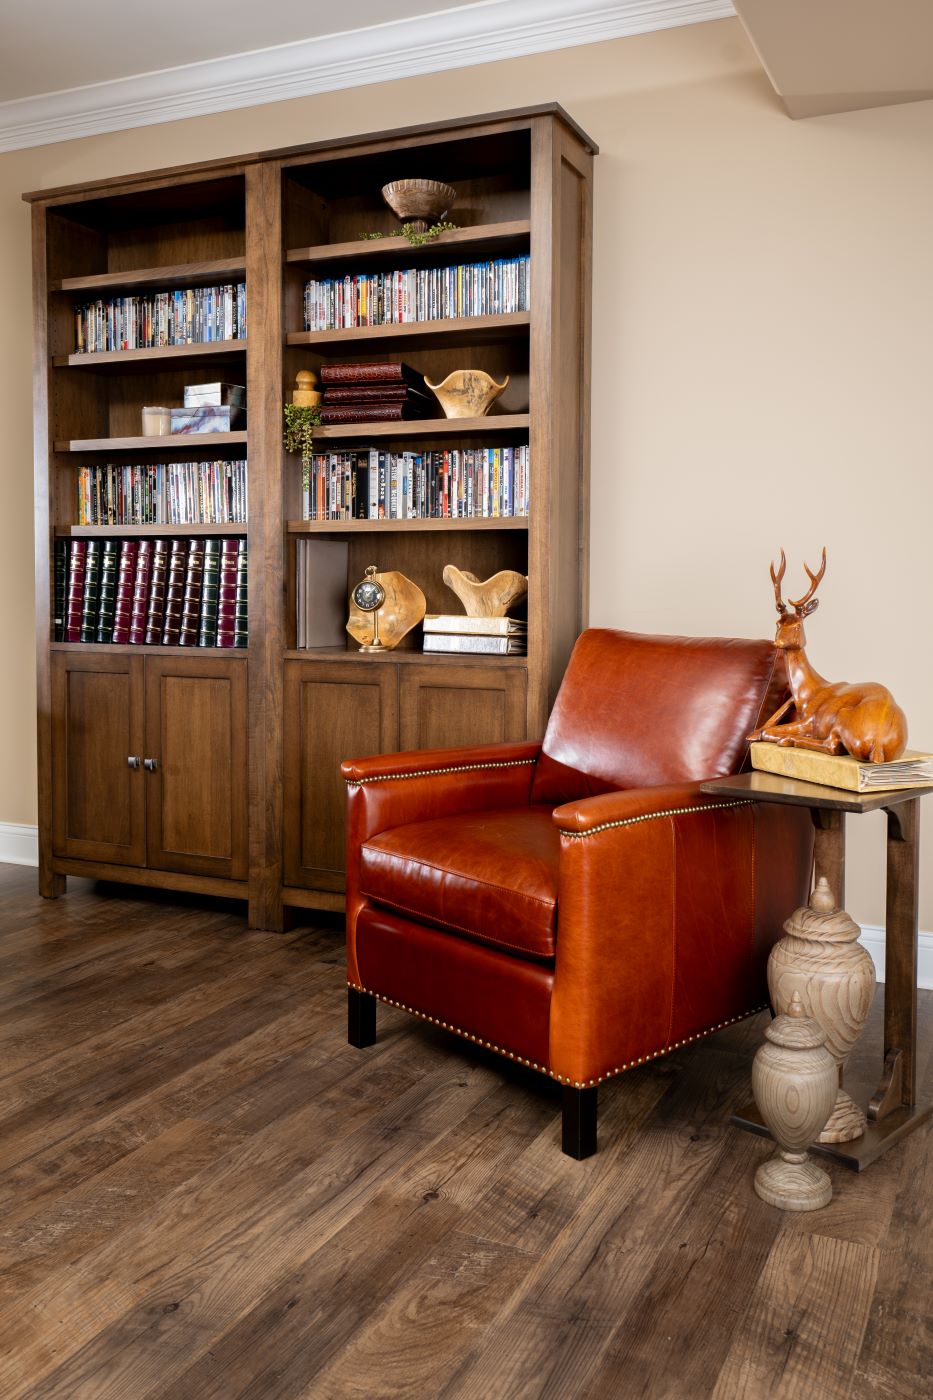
264 256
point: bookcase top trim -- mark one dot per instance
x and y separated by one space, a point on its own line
120 184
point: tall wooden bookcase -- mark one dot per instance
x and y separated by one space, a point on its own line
243 797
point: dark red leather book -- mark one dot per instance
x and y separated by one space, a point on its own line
368 393
395 372
74 604
226 594
241 635
140 593
191 603
174 593
126 575
374 412
155 607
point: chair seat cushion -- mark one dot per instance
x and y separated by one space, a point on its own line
485 875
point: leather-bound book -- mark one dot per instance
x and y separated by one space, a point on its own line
210 594
375 412
155 608
174 593
191 603
241 624
91 600
226 593
108 591
75 599
60 591
370 393
126 576
395 372
141 593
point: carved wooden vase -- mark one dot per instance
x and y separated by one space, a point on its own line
794 1079
835 977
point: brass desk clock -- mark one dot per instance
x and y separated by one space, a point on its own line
369 596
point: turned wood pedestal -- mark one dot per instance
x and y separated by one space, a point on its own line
892 1106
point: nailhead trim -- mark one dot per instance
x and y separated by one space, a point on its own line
542 1069
651 816
436 772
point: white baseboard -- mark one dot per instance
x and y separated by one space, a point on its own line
873 941
19 844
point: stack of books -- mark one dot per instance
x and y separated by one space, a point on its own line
152 592
911 770
374 392
493 636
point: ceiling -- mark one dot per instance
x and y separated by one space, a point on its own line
49 45
72 68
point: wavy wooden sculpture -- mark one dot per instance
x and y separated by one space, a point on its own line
832 717
490 598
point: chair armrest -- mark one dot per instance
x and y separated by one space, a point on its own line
669 902
394 789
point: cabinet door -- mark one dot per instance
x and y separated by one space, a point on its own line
445 706
196 795
333 711
98 800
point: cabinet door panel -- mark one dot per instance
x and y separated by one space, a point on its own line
98 801
448 706
333 711
196 797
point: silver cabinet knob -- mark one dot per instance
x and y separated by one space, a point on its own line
150 765
132 762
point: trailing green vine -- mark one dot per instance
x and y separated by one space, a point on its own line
416 239
299 431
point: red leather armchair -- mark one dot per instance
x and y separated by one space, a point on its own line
579 905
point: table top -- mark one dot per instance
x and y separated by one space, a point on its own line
793 792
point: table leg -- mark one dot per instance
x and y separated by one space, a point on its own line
898 1084
829 851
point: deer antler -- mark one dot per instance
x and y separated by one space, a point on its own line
776 580
814 578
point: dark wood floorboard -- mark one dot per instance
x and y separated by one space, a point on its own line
207 1194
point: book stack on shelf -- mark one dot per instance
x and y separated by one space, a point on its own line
191 316
499 287
911 770
373 393
162 493
153 592
490 636
480 483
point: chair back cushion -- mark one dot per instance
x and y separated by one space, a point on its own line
637 711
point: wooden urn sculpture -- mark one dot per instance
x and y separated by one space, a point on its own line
467 393
821 962
832 717
794 1081
491 597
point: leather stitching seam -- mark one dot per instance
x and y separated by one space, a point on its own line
652 816
437 772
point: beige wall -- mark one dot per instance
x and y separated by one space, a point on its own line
763 353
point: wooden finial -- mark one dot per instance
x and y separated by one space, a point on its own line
306 393
822 899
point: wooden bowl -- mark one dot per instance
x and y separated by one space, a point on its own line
467 393
419 202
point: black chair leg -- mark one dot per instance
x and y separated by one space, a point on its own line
578 1122
361 1018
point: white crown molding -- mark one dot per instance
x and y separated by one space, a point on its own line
482 32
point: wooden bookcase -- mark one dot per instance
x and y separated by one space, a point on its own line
244 799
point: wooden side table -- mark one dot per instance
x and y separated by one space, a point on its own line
893 1111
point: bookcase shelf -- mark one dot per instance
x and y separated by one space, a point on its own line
168 442
246 796
464 329
423 427
108 532
192 274
120 359
476 241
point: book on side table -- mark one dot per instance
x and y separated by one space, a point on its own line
842 771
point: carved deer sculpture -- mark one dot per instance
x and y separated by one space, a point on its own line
862 720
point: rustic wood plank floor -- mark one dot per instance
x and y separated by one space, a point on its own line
206 1193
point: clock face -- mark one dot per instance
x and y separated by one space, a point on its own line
369 595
